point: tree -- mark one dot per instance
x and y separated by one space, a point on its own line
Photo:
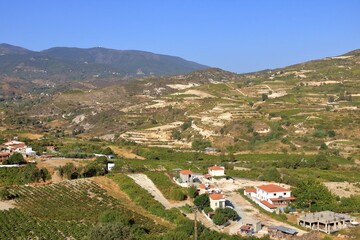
44 174
31 173
202 201
323 146
228 212
176 135
107 151
16 158
200 144
219 219
264 97
208 209
322 162
192 192
312 194
331 133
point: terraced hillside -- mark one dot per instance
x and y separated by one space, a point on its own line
292 109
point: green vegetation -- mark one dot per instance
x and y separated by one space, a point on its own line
166 186
142 198
202 201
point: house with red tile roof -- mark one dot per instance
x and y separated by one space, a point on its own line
217 201
216 171
271 197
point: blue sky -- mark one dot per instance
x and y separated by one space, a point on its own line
235 35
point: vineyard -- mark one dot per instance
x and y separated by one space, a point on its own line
64 210
15 224
65 201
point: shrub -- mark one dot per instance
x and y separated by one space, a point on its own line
219 219
208 209
177 195
192 192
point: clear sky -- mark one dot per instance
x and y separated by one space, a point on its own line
235 35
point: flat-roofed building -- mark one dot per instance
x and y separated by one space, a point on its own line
325 221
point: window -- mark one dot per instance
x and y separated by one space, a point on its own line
284 193
274 194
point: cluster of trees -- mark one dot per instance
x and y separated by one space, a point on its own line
200 145
94 168
320 161
21 175
16 158
315 196
321 133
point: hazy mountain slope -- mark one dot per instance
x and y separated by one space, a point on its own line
133 62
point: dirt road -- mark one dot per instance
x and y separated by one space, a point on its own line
149 186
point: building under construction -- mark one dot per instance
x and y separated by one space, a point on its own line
326 221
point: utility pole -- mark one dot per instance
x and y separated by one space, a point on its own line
195 225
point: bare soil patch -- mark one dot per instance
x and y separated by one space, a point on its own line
5 205
125 153
342 189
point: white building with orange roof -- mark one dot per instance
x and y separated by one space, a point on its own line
217 201
216 171
271 197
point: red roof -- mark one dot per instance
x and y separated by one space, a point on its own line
216 196
4 154
282 199
203 186
250 190
185 172
273 188
246 227
207 175
216 168
269 205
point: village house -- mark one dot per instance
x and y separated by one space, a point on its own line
19 147
250 226
270 197
186 176
216 171
4 156
217 201
326 221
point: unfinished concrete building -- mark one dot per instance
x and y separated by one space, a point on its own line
326 221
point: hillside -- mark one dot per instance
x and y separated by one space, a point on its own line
292 109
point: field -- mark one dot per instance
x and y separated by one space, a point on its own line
67 209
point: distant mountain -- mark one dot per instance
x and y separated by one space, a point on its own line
137 63
62 68
10 49
68 64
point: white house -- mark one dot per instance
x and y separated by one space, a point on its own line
216 171
270 197
274 194
206 188
217 201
